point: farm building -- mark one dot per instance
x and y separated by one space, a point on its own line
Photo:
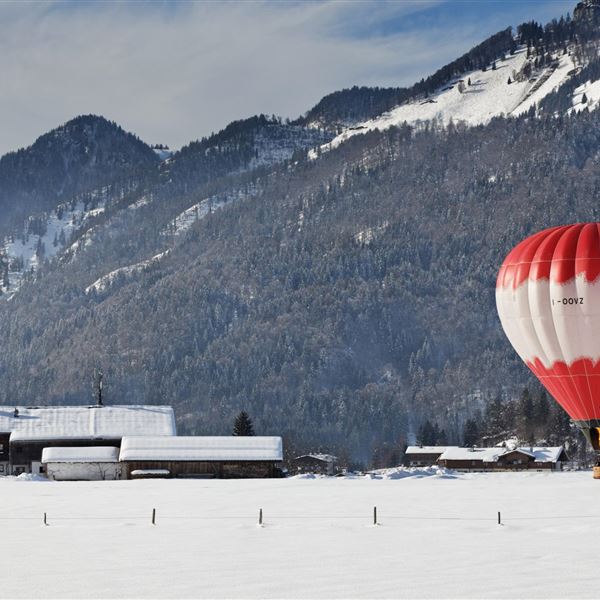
87 463
503 459
26 431
423 456
201 456
316 463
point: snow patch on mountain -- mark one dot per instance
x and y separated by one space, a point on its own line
586 96
42 238
163 153
183 221
503 90
104 282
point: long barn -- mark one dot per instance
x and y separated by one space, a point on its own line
201 456
26 431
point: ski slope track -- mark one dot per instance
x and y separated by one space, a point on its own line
489 95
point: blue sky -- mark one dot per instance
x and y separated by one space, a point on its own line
175 71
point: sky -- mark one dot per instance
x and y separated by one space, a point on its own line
172 72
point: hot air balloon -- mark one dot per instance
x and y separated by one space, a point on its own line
548 300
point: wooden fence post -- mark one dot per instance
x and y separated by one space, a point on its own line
45 519
499 519
153 516
260 516
375 516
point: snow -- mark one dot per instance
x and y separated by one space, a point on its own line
163 153
85 454
425 449
64 220
107 280
198 211
322 457
108 422
202 448
546 84
489 96
437 537
592 91
142 472
484 454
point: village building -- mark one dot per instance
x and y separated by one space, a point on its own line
423 456
324 464
87 463
504 459
201 456
26 431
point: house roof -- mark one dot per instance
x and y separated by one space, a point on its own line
483 454
86 422
78 455
425 449
322 457
540 454
201 448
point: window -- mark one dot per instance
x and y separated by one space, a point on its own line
1 468
42 470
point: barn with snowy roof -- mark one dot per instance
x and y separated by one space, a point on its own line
503 459
26 431
201 456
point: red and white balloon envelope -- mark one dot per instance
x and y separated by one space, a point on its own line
548 299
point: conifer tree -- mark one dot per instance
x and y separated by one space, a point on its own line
470 433
243 425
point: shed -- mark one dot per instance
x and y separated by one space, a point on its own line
203 456
91 463
422 456
316 463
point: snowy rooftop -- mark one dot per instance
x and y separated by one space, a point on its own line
84 422
484 454
425 449
540 454
319 456
78 455
202 448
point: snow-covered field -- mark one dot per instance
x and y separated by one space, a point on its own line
438 537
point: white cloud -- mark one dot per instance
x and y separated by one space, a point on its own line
174 72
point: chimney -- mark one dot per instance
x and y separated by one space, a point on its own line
100 388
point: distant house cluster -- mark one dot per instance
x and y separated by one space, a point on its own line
124 442
498 458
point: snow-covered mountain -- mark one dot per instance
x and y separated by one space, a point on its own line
510 86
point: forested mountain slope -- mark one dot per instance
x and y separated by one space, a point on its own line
343 299
349 298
